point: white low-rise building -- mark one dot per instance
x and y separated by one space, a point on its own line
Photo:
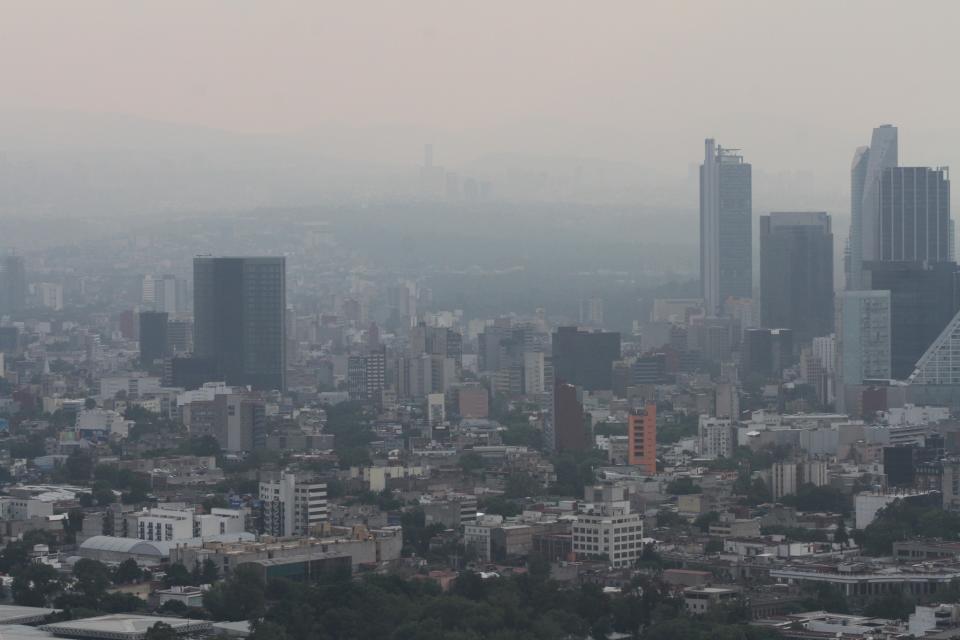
609 529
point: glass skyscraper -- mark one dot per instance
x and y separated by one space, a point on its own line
239 318
796 273
726 227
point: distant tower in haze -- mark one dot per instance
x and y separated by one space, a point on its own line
796 273
239 307
13 285
726 227
153 337
914 215
866 172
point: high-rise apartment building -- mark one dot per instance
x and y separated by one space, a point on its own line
726 231
914 207
239 318
366 375
796 273
292 505
585 358
866 173
863 336
642 439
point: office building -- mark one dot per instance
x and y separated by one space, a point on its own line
366 375
179 336
915 214
153 337
166 293
940 363
585 358
608 529
796 273
642 439
866 173
899 465
239 318
568 421
236 420
863 336
726 231
13 285
292 505
923 300
767 352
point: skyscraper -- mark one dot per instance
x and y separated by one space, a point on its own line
865 176
923 299
153 337
239 306
13 285
585 358
915 214
726 232
796 273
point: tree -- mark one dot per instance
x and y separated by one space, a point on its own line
521 485
35 584
177 575
670 519
704 520
810 497
160 631
683 486
268 631
92 578
127 572
210 572
896 606
89 403
239 597
79 466
471 461
714 545
840 535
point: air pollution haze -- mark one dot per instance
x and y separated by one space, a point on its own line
499 320
554 100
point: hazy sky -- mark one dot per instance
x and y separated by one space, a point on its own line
781 79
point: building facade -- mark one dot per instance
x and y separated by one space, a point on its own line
239 318
796 273
292 505
726 227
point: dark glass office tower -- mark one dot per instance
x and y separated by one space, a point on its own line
239 306
796 273
923 300
13 285
153 337
915 214
585 358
